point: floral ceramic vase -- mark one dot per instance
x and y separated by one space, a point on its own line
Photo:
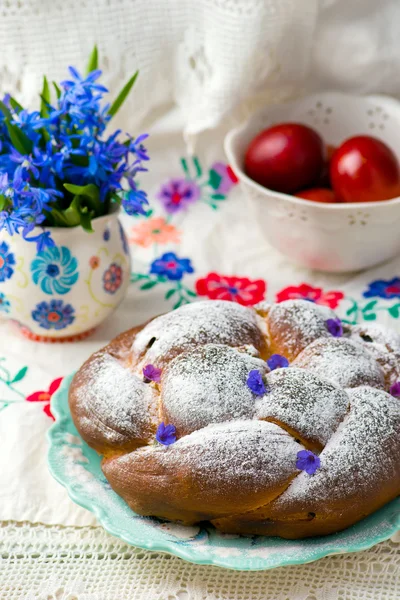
65 291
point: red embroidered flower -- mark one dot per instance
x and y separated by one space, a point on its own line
307 292
237 289
45 396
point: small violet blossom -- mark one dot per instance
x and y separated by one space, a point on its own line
308 461
277 361
166 434
152 373
255 383
334 327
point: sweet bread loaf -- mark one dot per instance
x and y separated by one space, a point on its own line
276 420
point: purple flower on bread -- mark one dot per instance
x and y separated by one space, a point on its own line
152 373
277 361
395 389
335 327
166 434
171 266
308 461
255 383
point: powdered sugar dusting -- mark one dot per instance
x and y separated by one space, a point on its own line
361 456
308 404
208 385
115 400
377 334
294 324
342 361
203 322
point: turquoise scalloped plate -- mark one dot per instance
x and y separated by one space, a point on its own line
77 468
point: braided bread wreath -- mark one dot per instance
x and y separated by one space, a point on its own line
197 418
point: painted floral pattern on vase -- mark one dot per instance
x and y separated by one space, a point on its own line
7 262
55 270
54 314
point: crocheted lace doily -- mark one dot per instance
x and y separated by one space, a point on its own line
39 562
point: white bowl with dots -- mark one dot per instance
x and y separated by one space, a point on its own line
328 237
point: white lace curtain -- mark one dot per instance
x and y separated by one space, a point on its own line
206 56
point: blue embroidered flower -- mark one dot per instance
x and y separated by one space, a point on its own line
54 314
308 461
152 373
255 382
7 261
335 327
4 303
55 270
170 266
166 434
277 361
124 240
395 389
383 289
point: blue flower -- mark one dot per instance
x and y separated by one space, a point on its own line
255 383
166 434
135 202
152 373
277 361
170 266
106 235
335 327
383 289
4 303
43 240
308 461
54 314
55 270
7 261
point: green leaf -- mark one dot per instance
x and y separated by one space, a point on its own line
3 202
370 317
46 98
58 217
5 110
15 105
190 293
351 310
93 61
394 311
86 220
370 305
116 105
197 166
148 285
19 139
72 213
170 293
215 179
218 196
20 375
179 303
91 193
57 90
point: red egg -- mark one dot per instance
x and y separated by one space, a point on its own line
318 195
364 169
285 157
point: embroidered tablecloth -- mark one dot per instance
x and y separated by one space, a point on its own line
198 241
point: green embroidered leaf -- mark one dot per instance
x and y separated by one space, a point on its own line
19 139
215 179
197 166
218 196
370 305
190 293
394 311
370 317
351 310
148 285
45 96
170 293
120 99
93 61
20 375
179 303
185 167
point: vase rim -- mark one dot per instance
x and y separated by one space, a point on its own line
114 212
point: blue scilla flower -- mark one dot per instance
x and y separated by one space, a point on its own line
7 262
54 314
55 270
135 202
